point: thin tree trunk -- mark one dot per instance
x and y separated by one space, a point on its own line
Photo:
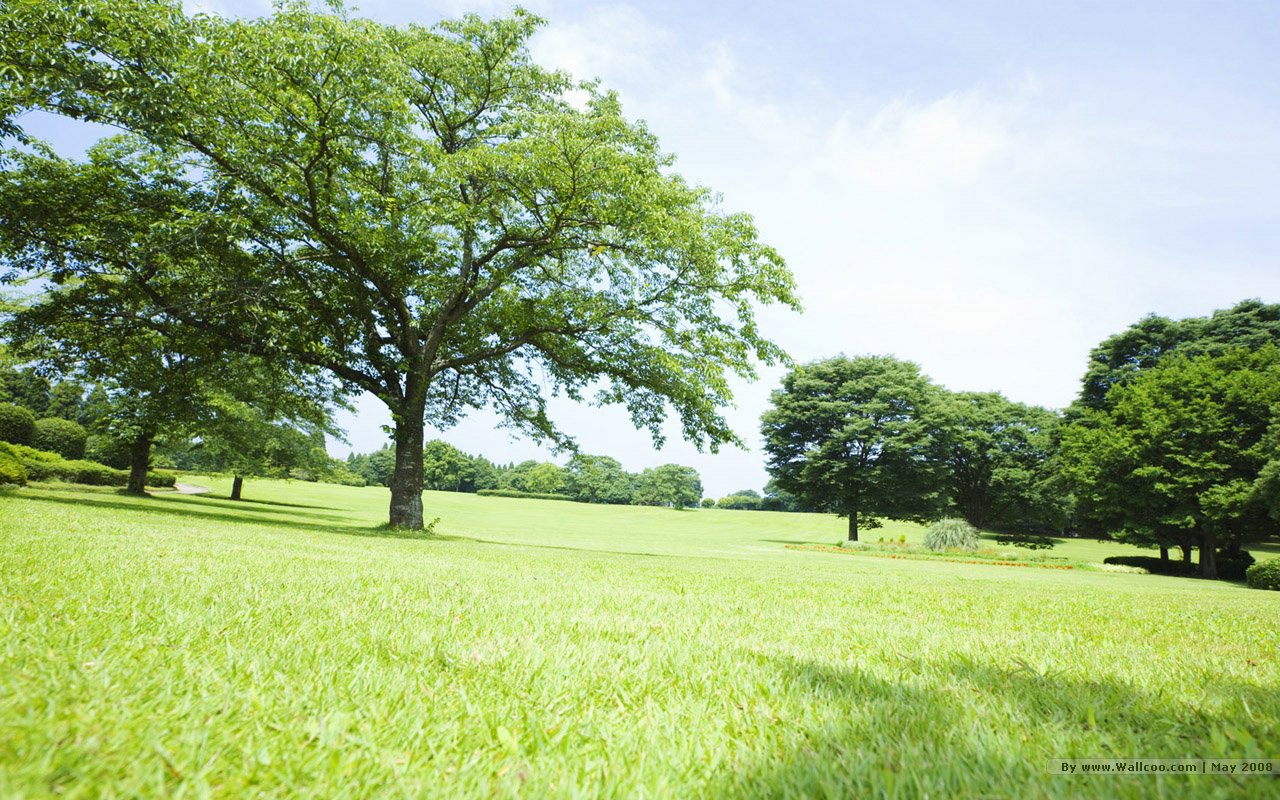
139 460
853 526
1208 558
237 483
406 480
1164 552
1186 553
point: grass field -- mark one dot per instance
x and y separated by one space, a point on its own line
191 646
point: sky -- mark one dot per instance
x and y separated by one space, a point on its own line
987 189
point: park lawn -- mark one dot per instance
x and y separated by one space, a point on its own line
193 646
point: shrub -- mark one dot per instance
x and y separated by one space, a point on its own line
1154 564
44 466
17 424
61 436
107 450
951 534
1264 575
1232 567
526 495
11 470
707 502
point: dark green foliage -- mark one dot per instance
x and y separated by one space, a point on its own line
1027 541
518 493
858 437
951 534
1250 324
1001 470
61 436
12 472
375 468
445 468
1177 457
1232 566
17 424
1155 565
106 449
1264 575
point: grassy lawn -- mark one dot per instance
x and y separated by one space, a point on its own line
193 646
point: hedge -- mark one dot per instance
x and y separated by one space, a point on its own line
1155 565
11 470
45 466
526 495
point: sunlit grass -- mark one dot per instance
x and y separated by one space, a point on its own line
194 646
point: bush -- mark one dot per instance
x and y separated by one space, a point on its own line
1264 575
17 424
107 450
1155 565
61 436
1233 567
951 534
11 470
45 466
707 502
526 495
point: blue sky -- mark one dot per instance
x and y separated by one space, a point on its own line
987 189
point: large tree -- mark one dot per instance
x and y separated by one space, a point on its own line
424 212
1120 358
1178 457
858 437
1000 463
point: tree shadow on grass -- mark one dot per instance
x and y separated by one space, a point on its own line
191 510
255 501
979 730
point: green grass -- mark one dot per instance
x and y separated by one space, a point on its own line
194 646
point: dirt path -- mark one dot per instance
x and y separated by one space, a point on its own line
186 488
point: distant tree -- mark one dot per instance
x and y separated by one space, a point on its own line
671 485
598 479
778 499
741 500
1000 463
545 478
1181 455
857 437
375 467
445 468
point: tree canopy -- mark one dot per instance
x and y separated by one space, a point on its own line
424 212
857 436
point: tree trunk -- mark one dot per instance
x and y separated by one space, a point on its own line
1208 558
1164 552
853 526
406 480
237 483
139 460
1186 553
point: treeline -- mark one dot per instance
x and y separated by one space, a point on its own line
1174 442
99 424
585 478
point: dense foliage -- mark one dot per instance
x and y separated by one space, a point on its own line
17 424
1264 575
469 225
61 436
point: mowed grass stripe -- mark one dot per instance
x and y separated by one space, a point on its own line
189 646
